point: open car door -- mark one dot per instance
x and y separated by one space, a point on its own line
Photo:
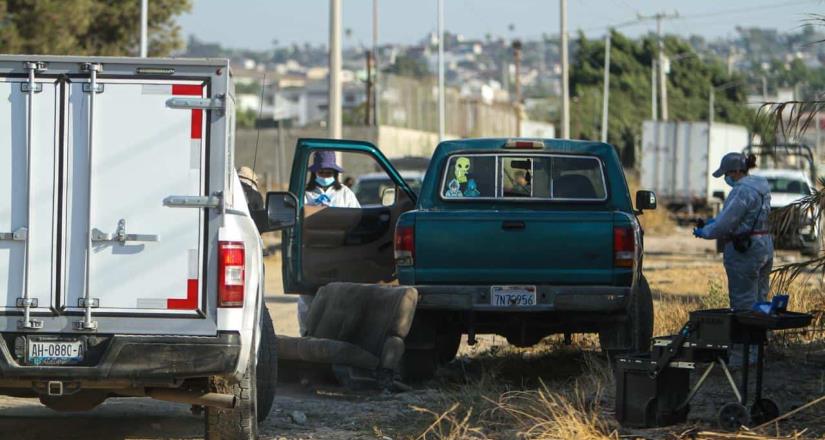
331 243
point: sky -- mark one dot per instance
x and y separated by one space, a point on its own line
256 24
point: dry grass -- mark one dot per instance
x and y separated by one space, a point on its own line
554 391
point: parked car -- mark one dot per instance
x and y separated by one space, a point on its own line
518 238
787 187
129 262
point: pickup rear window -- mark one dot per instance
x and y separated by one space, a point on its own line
524 176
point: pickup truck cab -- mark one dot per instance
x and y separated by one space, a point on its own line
129 262
521 238
787 187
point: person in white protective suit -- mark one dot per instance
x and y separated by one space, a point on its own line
743 226
324 189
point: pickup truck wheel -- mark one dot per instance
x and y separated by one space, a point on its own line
241 422
267 370
632 335
418 365
447 343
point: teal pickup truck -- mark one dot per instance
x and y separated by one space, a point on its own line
520 238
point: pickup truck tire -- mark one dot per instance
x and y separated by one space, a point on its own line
632 335
419 364
421 353
241 422
447 343
267 370
812 249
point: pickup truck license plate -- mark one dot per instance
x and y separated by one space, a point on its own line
513 296
54 352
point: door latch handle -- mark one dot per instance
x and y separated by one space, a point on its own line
121 236
512 225
21 234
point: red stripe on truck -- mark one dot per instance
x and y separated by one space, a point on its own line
197 124
191 301
187 89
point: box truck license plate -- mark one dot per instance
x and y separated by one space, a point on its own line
513 296
55 352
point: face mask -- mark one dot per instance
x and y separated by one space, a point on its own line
729 180
324 181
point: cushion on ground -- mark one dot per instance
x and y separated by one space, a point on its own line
361 325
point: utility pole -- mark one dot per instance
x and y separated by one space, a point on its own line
370 85
711 99
659 60
375 98
517 62
334 108
441 104
654 101
144 18
606 93
565 85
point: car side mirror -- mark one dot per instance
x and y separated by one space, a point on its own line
281 212
645 200
388 197
719 195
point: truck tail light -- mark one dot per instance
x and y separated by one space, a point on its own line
624 246
405 245
231 257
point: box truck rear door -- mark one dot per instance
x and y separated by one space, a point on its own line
28 196
133 254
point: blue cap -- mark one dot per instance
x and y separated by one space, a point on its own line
325 159
731 162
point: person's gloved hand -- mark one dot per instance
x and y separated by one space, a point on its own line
699 232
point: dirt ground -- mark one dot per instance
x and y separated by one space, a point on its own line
474 386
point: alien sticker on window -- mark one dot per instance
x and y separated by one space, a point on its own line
472 189
462 184
462 169
453 189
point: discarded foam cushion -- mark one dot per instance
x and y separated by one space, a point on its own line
358 325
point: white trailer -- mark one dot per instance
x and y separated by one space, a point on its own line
678 159
129 262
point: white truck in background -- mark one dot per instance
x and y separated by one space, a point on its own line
678 159
129 262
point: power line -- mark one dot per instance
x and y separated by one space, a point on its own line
761 7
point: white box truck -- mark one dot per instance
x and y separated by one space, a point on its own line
678 159
129 262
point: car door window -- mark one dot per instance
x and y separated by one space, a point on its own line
360 183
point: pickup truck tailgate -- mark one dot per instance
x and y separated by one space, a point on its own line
496 247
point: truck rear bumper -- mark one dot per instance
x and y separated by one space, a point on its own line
599 299
136 360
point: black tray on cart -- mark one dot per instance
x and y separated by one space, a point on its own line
777 321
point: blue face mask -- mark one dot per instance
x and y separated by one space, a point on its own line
324 181
729 180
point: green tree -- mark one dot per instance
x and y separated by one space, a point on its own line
88 27
688 85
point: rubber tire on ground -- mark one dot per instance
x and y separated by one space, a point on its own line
732 416
764 410
267 371
634 334
812 250
419 365
447 344
241 422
